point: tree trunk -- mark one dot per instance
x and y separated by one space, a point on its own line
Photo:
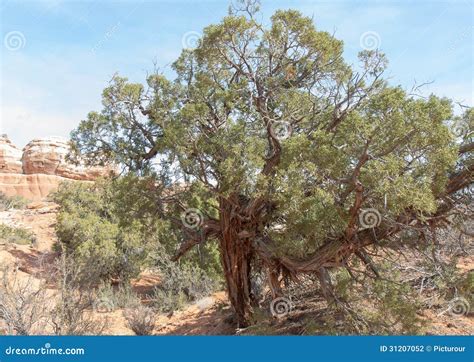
236 253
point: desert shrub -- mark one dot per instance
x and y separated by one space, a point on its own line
12 202
92 231
28 307
354 307
109 297
112 230
466 285
141 320
166 300
379 305
71 314
397 309
16 235
23 304
180 284
180 287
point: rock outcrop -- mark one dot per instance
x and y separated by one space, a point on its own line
10 156
48 156
40 168
32 187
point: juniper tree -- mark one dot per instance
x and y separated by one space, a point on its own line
291 158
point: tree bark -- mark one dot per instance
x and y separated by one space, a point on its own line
236 254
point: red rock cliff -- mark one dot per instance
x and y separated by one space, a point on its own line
40 168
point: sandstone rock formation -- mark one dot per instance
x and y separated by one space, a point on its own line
10 156
40 169
48 156
32 187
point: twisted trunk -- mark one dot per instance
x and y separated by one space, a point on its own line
236 254
240 241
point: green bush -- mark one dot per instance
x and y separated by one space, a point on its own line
180 284
377 306
16 235
121 297
90 229
112 231
12 202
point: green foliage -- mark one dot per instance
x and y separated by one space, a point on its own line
212 125
12 202
121 297
16 235
349 136
112 230
95 229
397 309
181 284
380 306
466 288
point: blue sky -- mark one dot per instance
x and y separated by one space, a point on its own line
57 56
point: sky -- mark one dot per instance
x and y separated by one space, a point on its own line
57 56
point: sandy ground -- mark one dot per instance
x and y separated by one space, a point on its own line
208 316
